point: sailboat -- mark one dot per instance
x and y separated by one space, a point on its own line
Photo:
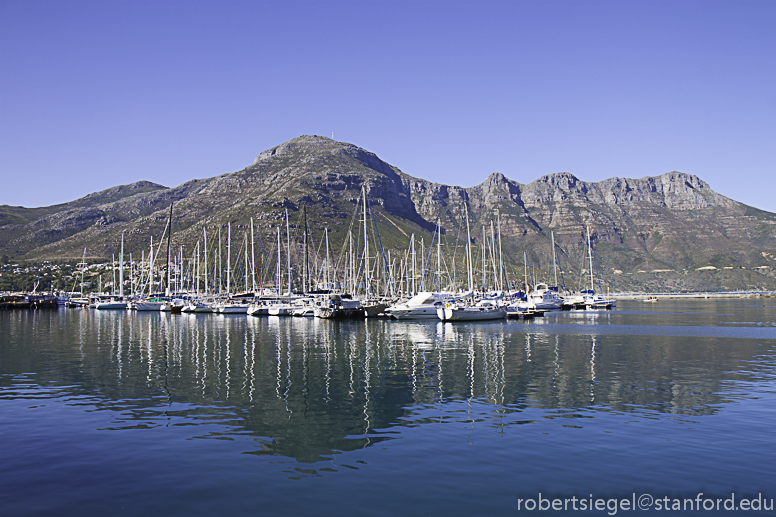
154 303
592 300
117 300
81 301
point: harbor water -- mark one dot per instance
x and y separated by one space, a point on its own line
131 413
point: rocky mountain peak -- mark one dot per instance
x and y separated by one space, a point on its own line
561 180
312 144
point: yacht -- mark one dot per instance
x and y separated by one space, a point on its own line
482 310
340 307
258 309
545 298
198 307
232 307
153 304
113 303
421 306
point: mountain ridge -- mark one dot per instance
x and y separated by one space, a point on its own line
671 222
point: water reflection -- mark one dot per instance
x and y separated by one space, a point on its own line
309 388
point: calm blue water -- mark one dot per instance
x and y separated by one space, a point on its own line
123 413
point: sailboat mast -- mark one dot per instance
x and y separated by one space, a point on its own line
439 254
169 242
484 258
366 248
554 262
414 271
590 252
469 250
351 283
500 257
204 230
220 266
328 286
525 271
288 249
121 268
306 267
83 267
492 250
228 257
253 262
278 279
150 266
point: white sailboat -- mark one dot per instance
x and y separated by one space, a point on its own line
117 301
593 300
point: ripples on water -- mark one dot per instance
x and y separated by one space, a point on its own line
122 412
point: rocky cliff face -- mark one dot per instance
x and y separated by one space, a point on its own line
667 225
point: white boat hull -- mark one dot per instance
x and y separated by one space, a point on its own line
111 306
233 309
415 313
148 306
261 310
280 311
470 314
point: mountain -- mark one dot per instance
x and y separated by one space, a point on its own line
669 232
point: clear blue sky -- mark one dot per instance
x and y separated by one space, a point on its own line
95 94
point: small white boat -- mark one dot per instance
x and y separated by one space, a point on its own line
522 310
258 309
198 307
232 308
306 311
149 305
281 309
175 306
77 303
484 310
374 307
421 306
596 301
338 307
111 305
546 298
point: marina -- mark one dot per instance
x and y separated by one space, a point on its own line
387 259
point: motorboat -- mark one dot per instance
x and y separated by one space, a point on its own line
232 307
174 306
374 307
258 309
112 304
595 301
545 298
480 311
522 310
281 309
421 306
304 307
198 307
340 307
151 304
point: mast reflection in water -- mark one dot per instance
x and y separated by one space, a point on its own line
611 402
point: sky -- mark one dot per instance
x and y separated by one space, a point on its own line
100 93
